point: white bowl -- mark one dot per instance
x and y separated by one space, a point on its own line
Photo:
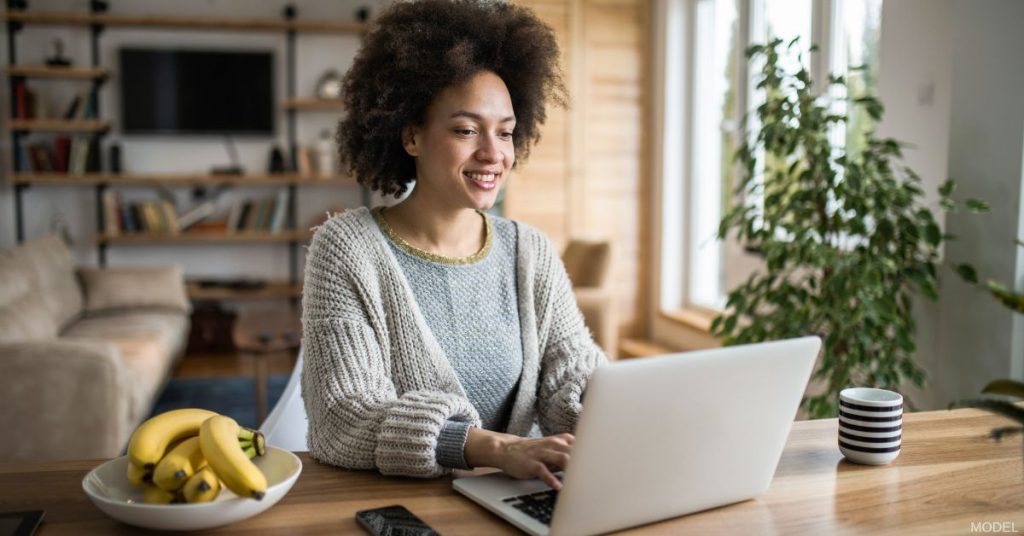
110 491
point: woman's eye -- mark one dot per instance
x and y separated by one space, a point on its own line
506 135
465 132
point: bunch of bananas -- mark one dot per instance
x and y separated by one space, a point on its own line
188 455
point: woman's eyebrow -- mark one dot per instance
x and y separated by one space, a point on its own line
478 117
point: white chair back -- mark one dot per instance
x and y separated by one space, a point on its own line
286 425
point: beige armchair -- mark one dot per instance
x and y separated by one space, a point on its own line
588 263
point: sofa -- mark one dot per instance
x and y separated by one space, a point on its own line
84 352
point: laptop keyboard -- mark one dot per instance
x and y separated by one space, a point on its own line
539 505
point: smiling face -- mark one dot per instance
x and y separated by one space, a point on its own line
464 150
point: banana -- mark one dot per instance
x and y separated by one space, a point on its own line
150 440
178 465
138 476
203 486
154 495
218 438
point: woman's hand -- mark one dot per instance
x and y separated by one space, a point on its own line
520 457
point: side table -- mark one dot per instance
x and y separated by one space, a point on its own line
261 334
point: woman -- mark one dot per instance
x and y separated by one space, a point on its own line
435 336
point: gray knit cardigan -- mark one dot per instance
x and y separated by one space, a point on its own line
376 385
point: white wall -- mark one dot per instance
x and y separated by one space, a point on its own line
181 154
987 153
952 85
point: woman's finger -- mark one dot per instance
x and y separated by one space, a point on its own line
555 459
542 472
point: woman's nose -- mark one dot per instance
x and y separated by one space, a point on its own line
488 150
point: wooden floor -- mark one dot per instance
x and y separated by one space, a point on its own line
230 364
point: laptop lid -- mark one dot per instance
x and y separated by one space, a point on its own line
665 436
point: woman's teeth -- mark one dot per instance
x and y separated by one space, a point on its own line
482 177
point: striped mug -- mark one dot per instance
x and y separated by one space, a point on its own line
870 425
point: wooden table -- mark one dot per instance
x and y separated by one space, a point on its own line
260 334
948 477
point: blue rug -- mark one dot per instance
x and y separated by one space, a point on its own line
234 397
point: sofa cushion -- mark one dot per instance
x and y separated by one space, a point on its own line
14 281
48 265
25 319
148 342
109 289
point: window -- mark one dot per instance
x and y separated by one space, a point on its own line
708 88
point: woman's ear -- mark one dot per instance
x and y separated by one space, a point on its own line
409 140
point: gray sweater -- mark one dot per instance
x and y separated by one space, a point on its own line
377 385
469 304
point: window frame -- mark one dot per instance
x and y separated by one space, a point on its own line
676 318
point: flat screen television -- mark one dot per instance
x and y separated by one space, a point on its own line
196 92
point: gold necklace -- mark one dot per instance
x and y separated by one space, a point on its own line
378 214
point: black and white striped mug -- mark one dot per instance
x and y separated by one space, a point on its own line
870 425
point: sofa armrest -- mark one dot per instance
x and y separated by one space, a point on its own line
598 308
62 399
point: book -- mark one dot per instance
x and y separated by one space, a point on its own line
62 152
197 214
234 217
168 219
151 217
280 212
92 155
21 100
73 107
245 219
135 217
42 158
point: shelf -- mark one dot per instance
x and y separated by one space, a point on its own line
46 71
58 125
206 237
177 179
268 291
60 18
314 104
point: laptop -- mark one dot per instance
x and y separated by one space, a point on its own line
664 436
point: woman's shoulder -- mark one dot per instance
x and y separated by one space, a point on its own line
344 234
532 241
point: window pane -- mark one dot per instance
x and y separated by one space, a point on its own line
788 19
857 32
712 146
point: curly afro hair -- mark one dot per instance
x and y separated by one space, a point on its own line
413 51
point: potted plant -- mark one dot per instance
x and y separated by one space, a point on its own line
1009 389
846 239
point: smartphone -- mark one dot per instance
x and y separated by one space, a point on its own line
393 521
20 523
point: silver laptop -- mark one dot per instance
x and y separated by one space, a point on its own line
662 437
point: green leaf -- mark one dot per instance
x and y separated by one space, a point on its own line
967 273
1007 297
932 234
947 188
1005 387
977 205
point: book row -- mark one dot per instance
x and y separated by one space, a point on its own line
160 216
72 155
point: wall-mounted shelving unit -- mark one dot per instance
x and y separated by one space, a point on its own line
97 20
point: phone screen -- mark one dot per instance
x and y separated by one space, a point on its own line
393 521
20 523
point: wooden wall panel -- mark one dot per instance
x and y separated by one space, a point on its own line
538 191
589 175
